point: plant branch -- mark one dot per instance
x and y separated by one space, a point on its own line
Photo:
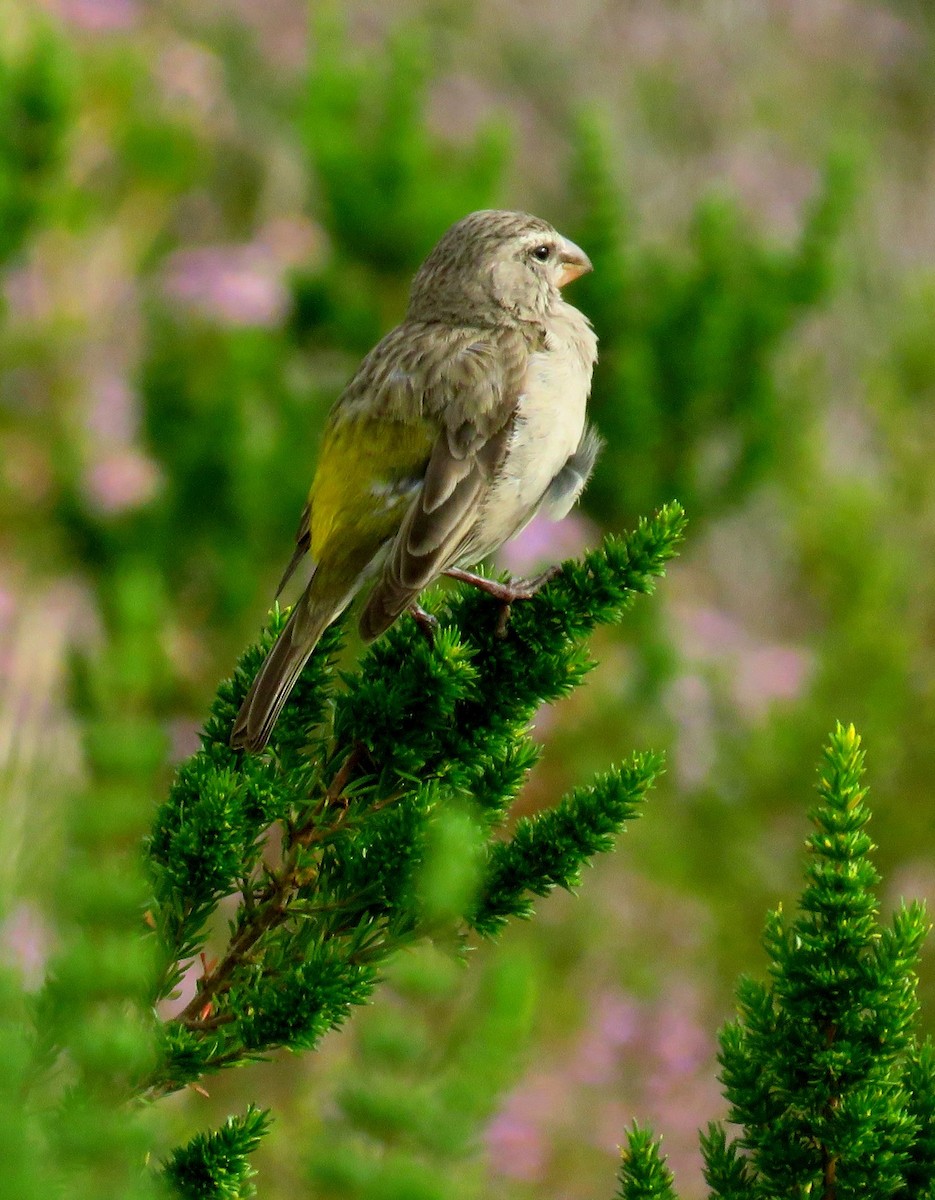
270 907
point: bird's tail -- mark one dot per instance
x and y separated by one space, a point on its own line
281 669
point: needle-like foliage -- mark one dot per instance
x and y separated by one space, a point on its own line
643 1172
374 820
216 1166
829 1090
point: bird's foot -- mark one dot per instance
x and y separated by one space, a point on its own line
506 593
426 622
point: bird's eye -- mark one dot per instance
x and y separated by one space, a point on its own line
542 253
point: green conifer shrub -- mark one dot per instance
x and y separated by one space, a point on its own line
831 1093
358 779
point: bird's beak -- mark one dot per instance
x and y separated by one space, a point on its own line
574 263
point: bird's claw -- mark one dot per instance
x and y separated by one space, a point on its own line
506 593
426 622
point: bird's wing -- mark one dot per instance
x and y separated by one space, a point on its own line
472 392
303 541
381 389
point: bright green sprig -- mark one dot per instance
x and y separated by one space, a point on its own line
726 1171
216 1166
919 1176
295 1003
549 850
643 1171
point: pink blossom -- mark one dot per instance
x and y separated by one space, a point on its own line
760 673
114 416
99 16
770 673
615 1025
292 239
516 1146
28 295
123 480
235 285
281 29
654 1059
191 75
767 180
870 30
519 1138
680 1041
25 943
706 631
544 541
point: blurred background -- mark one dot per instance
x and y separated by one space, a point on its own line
208 213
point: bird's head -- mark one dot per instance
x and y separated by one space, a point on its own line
493 266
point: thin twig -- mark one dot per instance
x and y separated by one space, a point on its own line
271 905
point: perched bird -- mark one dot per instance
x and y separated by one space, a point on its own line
457 428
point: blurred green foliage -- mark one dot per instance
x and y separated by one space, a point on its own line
36 98
429 1073
224 420
684 389
766 358
386 185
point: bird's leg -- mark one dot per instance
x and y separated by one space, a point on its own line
506 593
426 622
